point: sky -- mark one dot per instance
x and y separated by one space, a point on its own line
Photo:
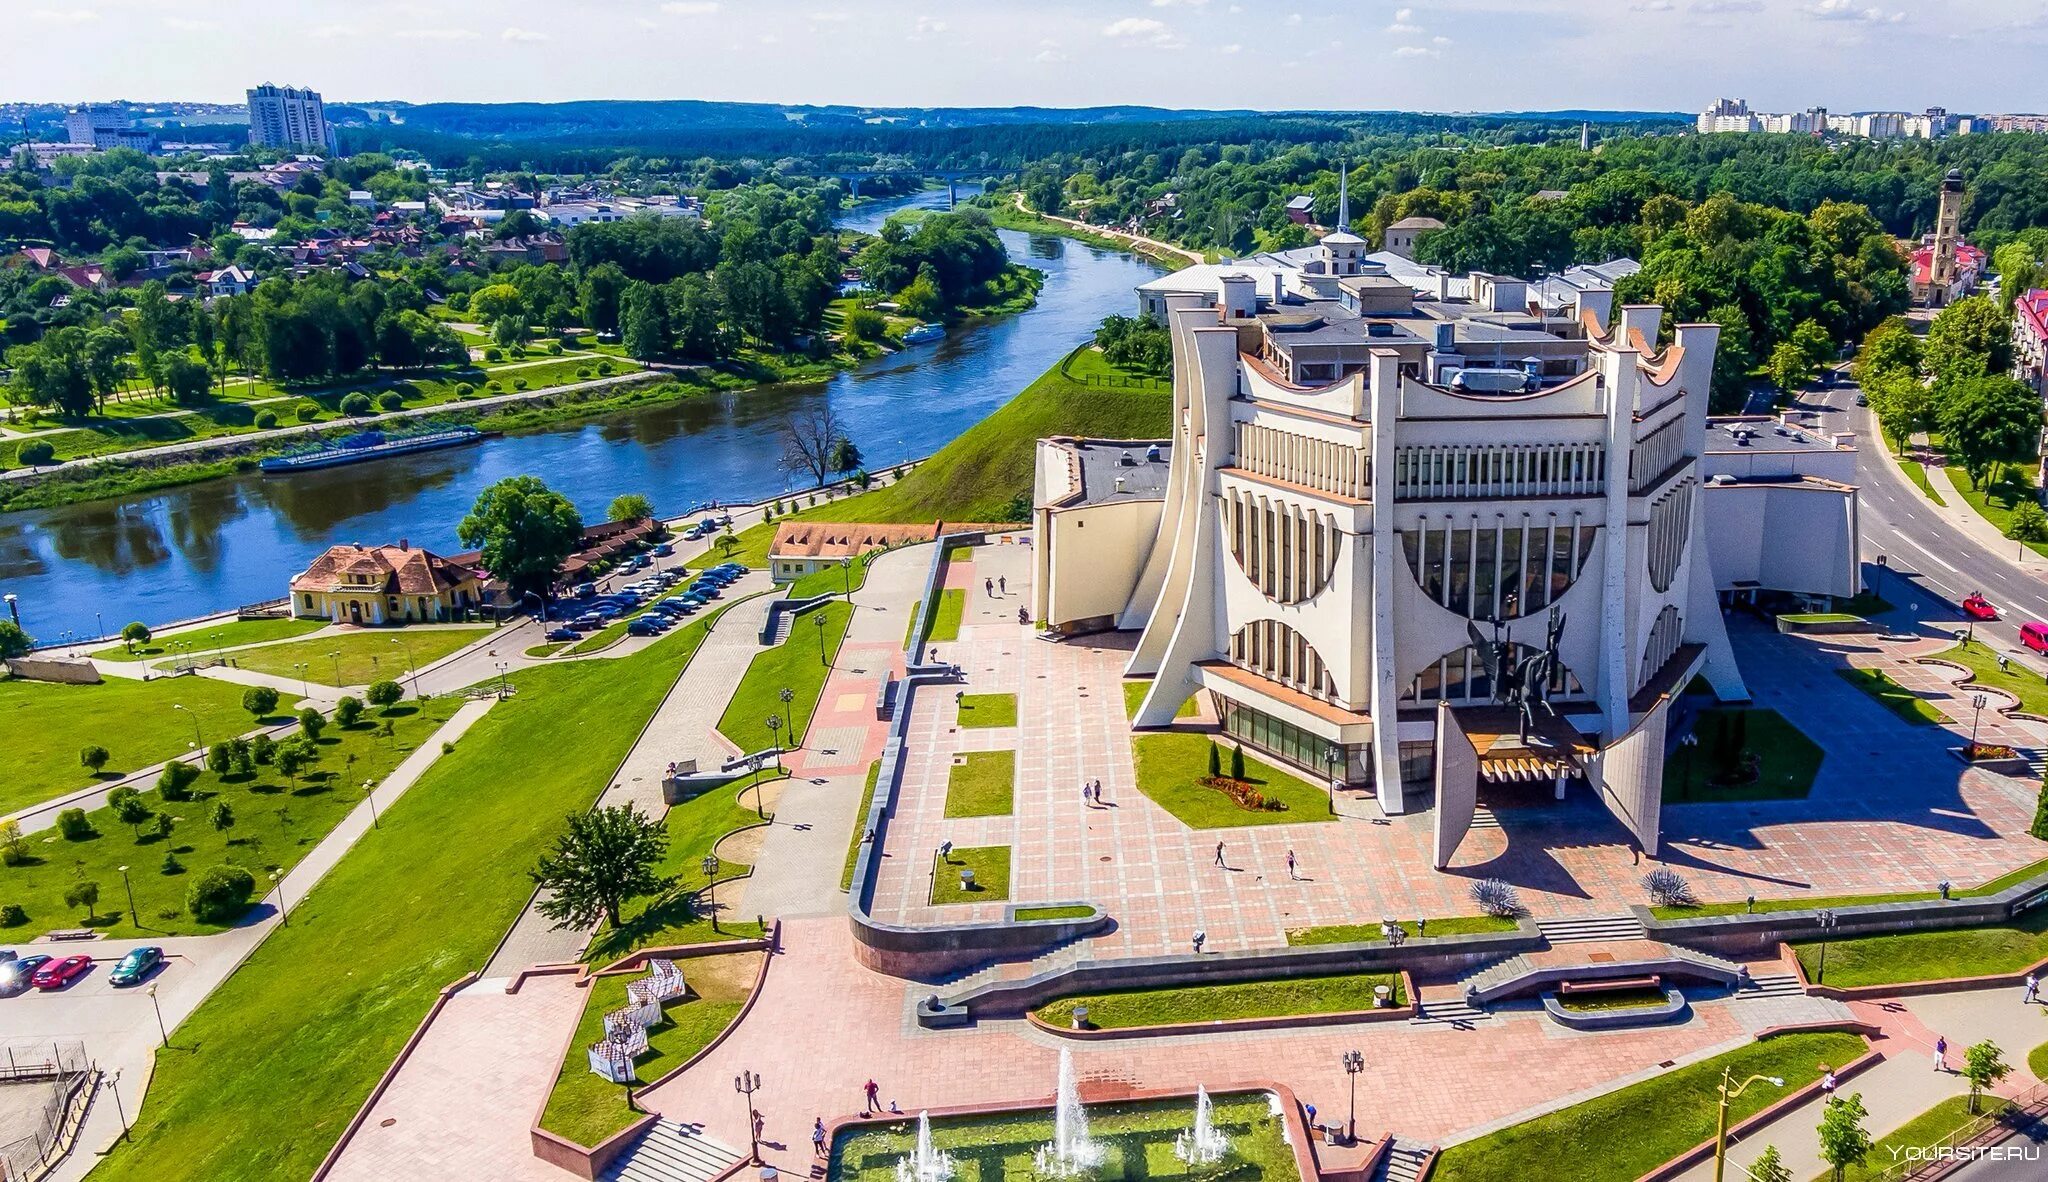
1426 55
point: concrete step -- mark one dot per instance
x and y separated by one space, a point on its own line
1483 818
1403 1162
1449 1011
1507 970
1772 985
1712 965
1592 929
672 1152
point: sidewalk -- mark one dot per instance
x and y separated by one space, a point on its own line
1957 512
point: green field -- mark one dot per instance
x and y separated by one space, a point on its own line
1170 766
1933 955
1624 1134
374 654
991 866
980 711
1812 902
199 641
1281 997
982 784
276 821
1063 911
1353 933
1789 760
297 1036
1892 696
45 724
1134 697
1994 500
799 664
1925 1131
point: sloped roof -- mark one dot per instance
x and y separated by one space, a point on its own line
393 570
843 539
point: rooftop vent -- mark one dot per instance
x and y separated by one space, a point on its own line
1124 460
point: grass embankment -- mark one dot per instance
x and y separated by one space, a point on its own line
587 1108
2037 1061
982 784
679 917
991 866
276 820
1812 902
1134 697
1788 760
1981 660
1009 217
1354 933
860 822
1926 1131
199 641
799 664
1897 958
1892 696
1917 473
1170 767
358 658
299 1034
1995 500
983 711
1282 997
45 725
947 609
1624 1134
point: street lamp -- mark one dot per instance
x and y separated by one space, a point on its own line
335 656
370 794
114 1084
1721 1127
746 1083
819 620
787 695
846 577
13 608
277 882
305 690
130 886
502 668
198 740
410 663
1826 919
160 1027
775 738
1354 1062
1976 710
710 865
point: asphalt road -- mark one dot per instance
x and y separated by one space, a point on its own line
2021 1157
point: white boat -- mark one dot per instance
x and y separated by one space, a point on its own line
924 334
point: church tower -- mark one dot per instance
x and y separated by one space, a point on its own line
1948 219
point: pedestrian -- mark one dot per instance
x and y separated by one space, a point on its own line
1291 875
818 1137
1219 856
1944 889
1098 791
1311 1110
988 587
1003 584
893 1110
1087 794
945 851
1940 1054
874 1097
1201 938
1827 1081
1421 927
760 1122
2033 993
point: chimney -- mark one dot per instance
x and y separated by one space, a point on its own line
404 545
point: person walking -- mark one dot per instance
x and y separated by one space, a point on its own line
988 587
1003 584
1200 939
1827 1081
1219 856
1291 875
2033 993
818 1137
1087 794
1940 1053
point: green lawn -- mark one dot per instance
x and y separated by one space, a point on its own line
276 821
1994 501
2037 1061
1790 760
46 724
978 711
224 635
297 1037
1922 956
1353 933
1925 1131
798 664
587 1108
1134 697
1284 996
950 606
370 655
1893 696
991 866
1982 662
1917 473
1624 1134
678 917
1811 902
1067 911
1170 766
860 822
982 784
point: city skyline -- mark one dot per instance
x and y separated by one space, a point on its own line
1451 55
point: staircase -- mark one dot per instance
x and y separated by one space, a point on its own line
1710 965
1772 985
1483 818
784 621
671 1152
1402 1163
1592 930
1454 1012
1499 974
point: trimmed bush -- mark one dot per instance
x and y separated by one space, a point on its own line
606 368
312 722
356 405
35 453
390 400
493 386
307 411
73 825
554 348
175 782
13 916
464 390
348 711
519 383
259 700
582 371
220 893
265 420
234 414
384 693
92 757
494 353
171 864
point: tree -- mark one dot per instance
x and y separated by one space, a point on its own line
312 722
1983 1066
93 757
1769 1166
174 783
84 893
186 377
808 439
643 325
1970 336
355 405
259 700
220 759
1812 338
132 812
495 302
222 818
1789 367
133 634
2028 522
605 857
524 529
845 455
294 756
1889 348
348 711
1902 402
1844 1142
384 693
630 507
74 825
13 641
1989 420
220 893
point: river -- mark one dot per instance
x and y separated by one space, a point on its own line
83 569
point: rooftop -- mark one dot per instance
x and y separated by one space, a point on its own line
1759 433
1101 471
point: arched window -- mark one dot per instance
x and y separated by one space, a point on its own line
1670 528
1289 552
1278 653
1459 677
1493 567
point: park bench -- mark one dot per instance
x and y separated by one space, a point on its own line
72 934
1610 985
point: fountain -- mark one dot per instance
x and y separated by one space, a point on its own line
1071 1153
925 1164
1204 1144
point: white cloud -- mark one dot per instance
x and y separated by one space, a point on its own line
930 24
1179 3
690 7
1293 18
1440 40
1233 47
437 34
1135 26
334 32
1846 10
1049 56
518 34
65 16
1404 23
1414 51
1652 6
1720 7
831 18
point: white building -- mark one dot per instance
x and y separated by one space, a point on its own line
105 127
1727 115
1353 486
288 117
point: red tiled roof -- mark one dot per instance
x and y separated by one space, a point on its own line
1968 258
2033 309
394 570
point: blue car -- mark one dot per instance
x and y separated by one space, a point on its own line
561 634
136 966
664 550
15 974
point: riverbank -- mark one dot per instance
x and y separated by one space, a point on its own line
1008 211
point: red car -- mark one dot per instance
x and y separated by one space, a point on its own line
59 973
1979 607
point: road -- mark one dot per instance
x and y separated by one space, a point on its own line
2021 1157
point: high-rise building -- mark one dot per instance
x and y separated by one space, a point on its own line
1727 115
288 117
104 127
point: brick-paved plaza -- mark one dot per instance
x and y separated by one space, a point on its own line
1892 809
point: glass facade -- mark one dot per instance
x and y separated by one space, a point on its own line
1350 764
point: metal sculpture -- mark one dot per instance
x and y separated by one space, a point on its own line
1521 682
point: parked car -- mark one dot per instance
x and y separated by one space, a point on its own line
644 626
2035 636
563 633
1978 607
586 590
15 975
586 623
59 973
138 964
664 550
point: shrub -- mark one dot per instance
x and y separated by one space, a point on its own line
133 633
1237 763
259 700
606 368
390 400
866 324
464 390
93 757
2028 523
265 420
171 864
312 722
74 825
494 353
35 453
175 782
1668 888
307 411
519 352
554 348
1215 761
355 405
13 916
234 414
348 711
384 693
493 386
220 893
1497 898
2040 826
519 383
582 371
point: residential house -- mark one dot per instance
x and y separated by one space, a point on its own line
355 584
1301 210
2030 339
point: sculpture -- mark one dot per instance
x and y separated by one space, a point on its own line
1520 682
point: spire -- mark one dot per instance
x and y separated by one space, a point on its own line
1344 196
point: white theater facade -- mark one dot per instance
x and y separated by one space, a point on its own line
1360 470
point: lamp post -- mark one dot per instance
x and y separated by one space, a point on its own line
1354 1062
710 865
335 656
161 1029
198 740
305 690
114 1085
1976 710
409 663
846 577
502 668
746 1083
130 888
1721 1124
787 695
1827 924
774 738
819 620
99 625
277 882
370 795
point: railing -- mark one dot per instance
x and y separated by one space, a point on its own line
34 1152
1939 1157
